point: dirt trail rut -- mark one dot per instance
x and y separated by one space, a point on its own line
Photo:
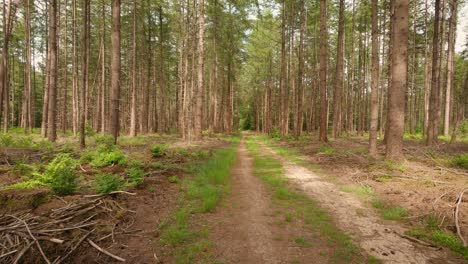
245 229
379 239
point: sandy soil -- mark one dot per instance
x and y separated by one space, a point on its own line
381 239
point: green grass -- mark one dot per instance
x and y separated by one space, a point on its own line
431 232
202 194
394 213
461 161
302 242
362 191
315 219
389 212
327 150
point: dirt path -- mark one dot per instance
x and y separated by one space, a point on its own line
247 228
377 238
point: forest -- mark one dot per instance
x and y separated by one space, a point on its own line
233 131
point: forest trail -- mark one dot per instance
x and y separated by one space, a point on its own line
246 230
383 240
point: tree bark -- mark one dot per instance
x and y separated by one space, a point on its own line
374 121
133 106
337 104
115 71
198 112
52 106
450 66
397 90
431 136
323 71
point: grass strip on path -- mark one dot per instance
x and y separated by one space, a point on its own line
202 194
270 170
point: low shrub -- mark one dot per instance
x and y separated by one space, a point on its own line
107 183
159 150
136 176
102 159
461 161
61 174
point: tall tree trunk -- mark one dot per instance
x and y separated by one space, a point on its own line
450 66
115 71
337 105
431 135
84 72
133 106
323 71
103 72
397 90
28 114
45 98
299 93
283 82
52 107
198 112
374 121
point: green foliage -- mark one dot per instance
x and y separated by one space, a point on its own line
362 191
136 176
105 142
440 238
102 159
394 213
461 161
173 179
302 242
89 131
24 170
106 153
25 185
327 150
202 153
157 165
20 141
378 204
158 150
60 174
207 186
275 133
107 183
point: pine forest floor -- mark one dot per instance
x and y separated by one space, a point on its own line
247 199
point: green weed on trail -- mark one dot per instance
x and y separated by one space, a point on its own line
202 194
271 172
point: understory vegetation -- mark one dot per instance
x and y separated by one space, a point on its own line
202 194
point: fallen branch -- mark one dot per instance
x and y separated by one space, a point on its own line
105 251
457 209
413 239
116 192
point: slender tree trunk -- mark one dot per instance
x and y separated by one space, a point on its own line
374 122
450 66
431 136
323 71
300 92
200 73
45 98
52 107
84 72
397 90
115 71
103 72
337 104
133 106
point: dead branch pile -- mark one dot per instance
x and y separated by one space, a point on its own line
57 235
